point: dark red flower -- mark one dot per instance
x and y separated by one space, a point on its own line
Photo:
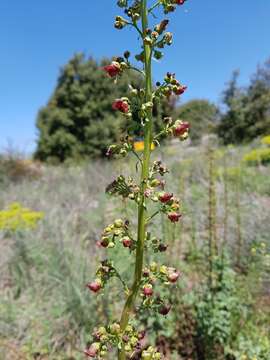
181 128
173 276
127 242
180 2
180 90
92 351
148 290
165 197
164 310
94 286
113 69
120 105
162 247
174 216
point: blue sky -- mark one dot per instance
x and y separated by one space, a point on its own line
212 38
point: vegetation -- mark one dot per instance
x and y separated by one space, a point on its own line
45 310
248 110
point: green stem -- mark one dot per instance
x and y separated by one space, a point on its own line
153 7
148 137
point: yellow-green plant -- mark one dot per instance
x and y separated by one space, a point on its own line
266 140
139 103
16 217
258 156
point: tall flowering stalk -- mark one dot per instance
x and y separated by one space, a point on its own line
123 335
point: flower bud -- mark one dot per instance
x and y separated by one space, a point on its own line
168 38
179 2
127 242
163 270
174 216
122 3
162 247
93 350
146 355
155 183
180 90
153 266
180 128
148 290
104 241
95 286
118 223
121 106
113 69
164 197
164 310
120 22
158 55
173 276
115 328
126 54
162 26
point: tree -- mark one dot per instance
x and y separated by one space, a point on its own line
248 109
78 120
202 116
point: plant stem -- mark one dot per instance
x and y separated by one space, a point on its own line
148 137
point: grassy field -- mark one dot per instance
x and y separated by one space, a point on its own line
47 313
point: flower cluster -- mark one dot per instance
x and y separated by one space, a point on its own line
170 86
118 231
164 274
111 335
125 188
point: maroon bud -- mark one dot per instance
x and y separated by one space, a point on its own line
94 286
148 290
146 273
113 69
174 216
164 309
121 106
173 276
165 197
179 2
127 242
162 247
180 128
92 351
104 242
180 90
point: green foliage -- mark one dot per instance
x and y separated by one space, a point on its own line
201 114
45 308
218 310
248 110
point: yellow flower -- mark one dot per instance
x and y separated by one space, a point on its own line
16 217
139 146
